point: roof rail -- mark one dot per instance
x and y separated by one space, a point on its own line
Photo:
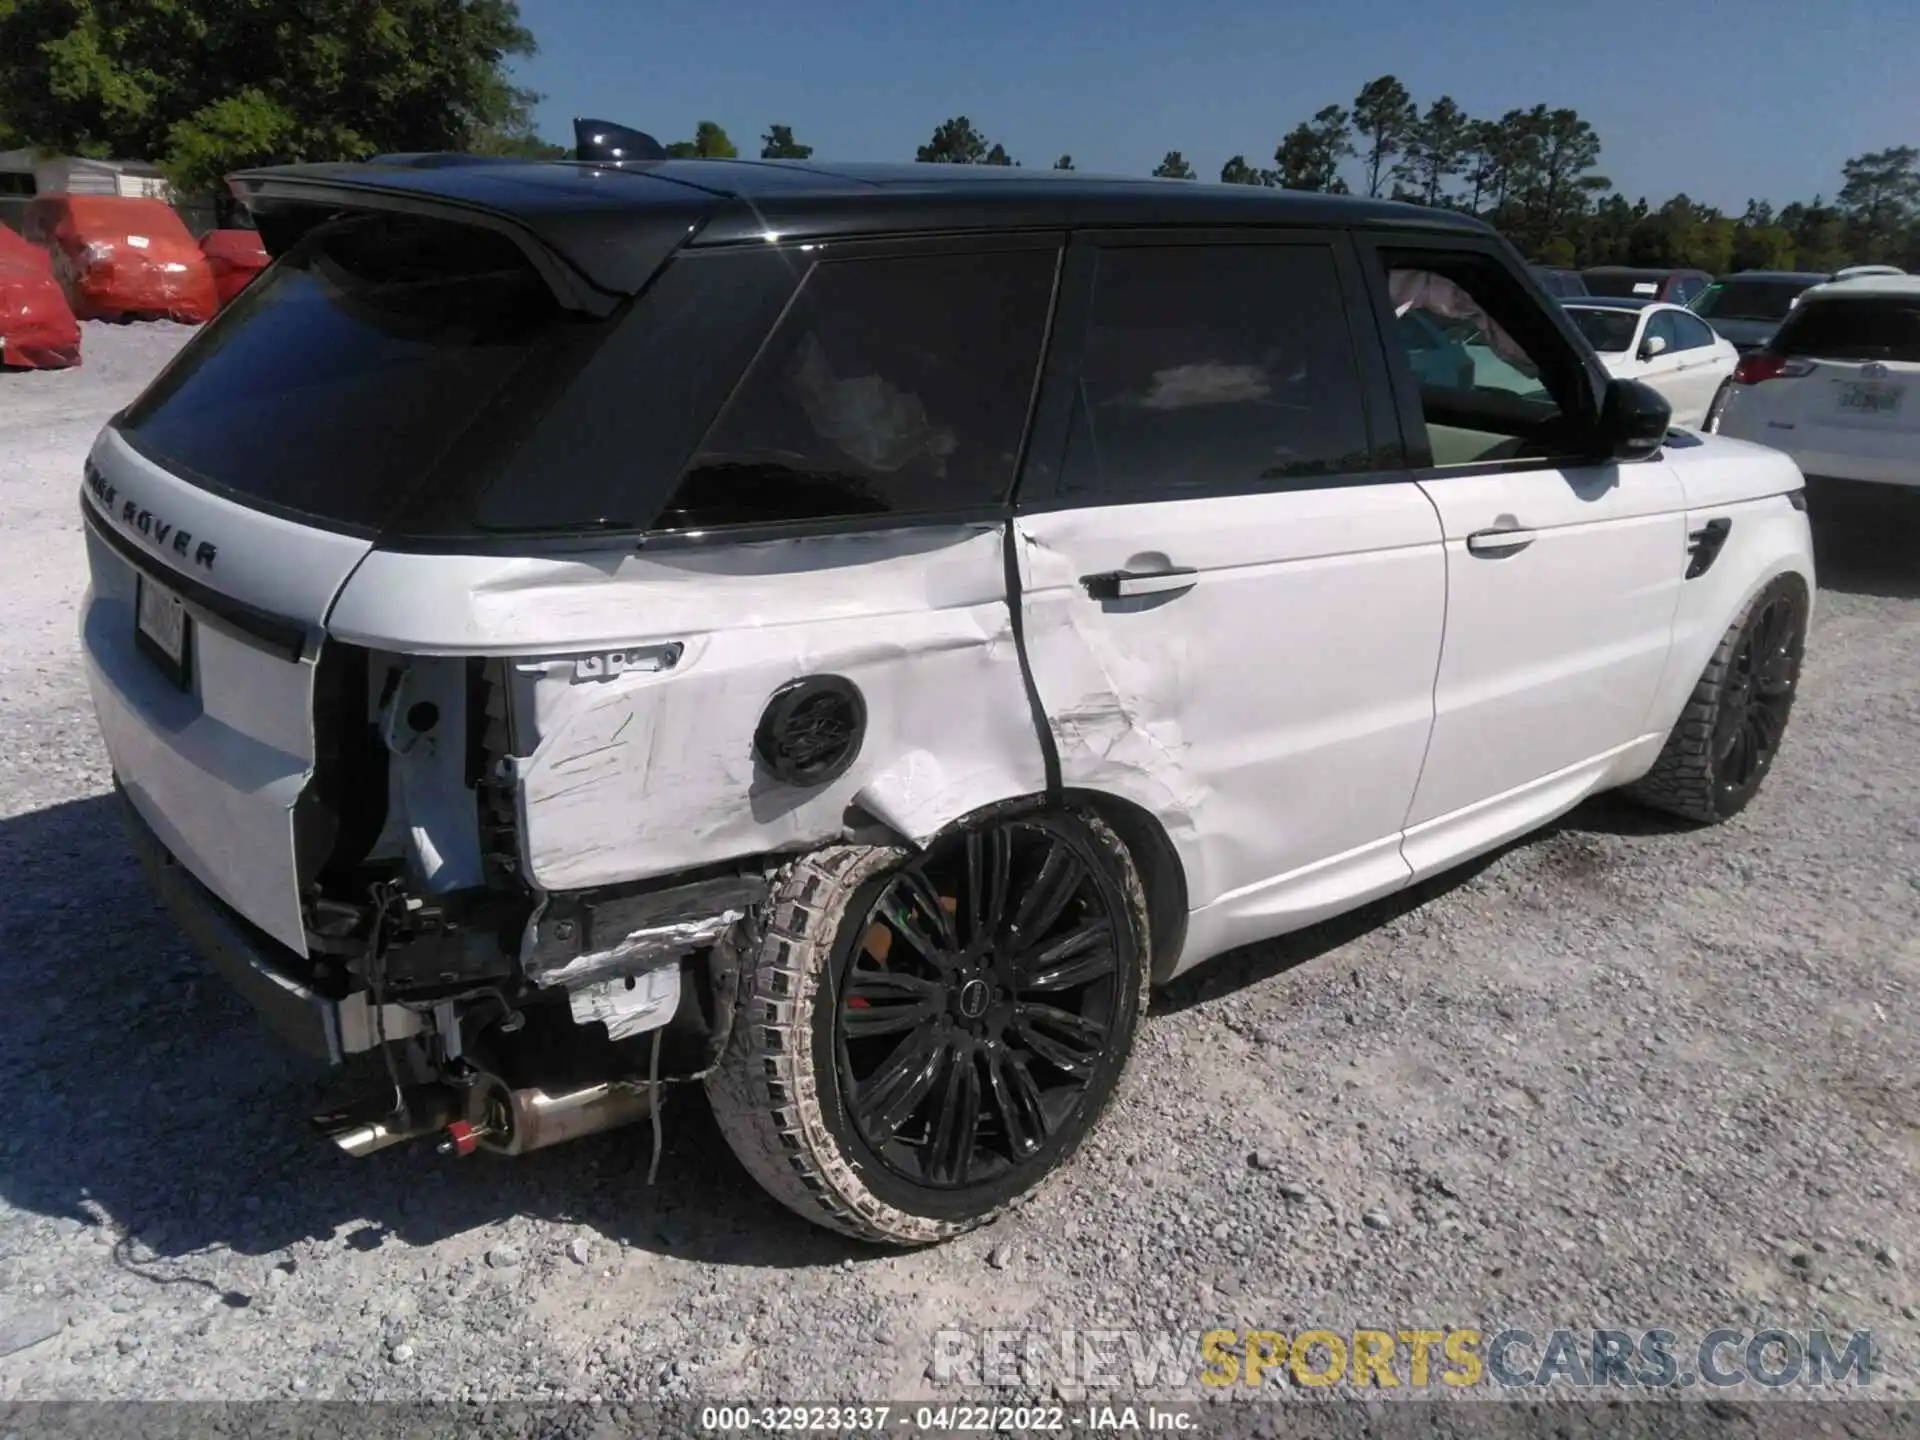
603 140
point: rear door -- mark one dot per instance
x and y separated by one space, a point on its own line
1562 573
228 505
1232 593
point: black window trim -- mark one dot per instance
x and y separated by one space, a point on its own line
1406 392
1038 489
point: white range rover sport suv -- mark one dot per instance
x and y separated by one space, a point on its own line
841 634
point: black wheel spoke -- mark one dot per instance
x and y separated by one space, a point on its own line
1056 1052
902 907
997 886
1023 1119
956 1125
1084 955
1734 767
976 886
1726 732
1089 1032
928 902
1055 885
1766 734
1770 634
885 1002
888 1099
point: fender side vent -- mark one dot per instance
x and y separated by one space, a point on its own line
1703 546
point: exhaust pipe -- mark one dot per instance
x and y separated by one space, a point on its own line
513 1121
374 1125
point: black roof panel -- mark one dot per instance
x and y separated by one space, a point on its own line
611 221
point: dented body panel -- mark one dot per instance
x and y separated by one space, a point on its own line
216 764
1273 717
638 680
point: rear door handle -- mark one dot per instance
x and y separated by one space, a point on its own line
1122 584
1493 544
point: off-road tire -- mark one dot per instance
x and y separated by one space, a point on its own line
767 1093
1684 780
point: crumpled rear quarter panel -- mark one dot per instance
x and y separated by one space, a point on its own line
647 773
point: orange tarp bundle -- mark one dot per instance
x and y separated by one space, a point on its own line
118 256
37 328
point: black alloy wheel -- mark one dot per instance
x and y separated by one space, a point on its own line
978 996
1758 696
1724 744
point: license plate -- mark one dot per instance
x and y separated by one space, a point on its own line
160 629
1869 399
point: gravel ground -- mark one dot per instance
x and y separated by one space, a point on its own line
1620 1074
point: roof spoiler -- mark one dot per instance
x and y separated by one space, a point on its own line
604 141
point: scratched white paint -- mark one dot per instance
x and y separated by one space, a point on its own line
645 773
1271 716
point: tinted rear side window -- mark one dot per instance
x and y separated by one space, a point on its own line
335 382
1216 367
1765 300
1609 331
1868 328
891 386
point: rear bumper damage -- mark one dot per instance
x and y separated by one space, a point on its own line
617 996
326 1029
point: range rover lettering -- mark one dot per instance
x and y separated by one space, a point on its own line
842 634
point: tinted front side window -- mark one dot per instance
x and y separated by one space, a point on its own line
891 386
1216 367
1509 388
1876 328
337 380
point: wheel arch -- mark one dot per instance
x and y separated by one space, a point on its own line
1163 878
1769 538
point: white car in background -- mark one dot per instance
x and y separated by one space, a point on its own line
1838 389
1666 346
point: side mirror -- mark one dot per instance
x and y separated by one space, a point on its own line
1653 345
1634 419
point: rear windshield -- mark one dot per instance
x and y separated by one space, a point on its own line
1768 300
1628 284
1608 331
1867 328
335 382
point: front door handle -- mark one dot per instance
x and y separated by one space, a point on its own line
1493 544
1123 584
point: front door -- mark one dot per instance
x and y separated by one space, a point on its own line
1562 573
1231 610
